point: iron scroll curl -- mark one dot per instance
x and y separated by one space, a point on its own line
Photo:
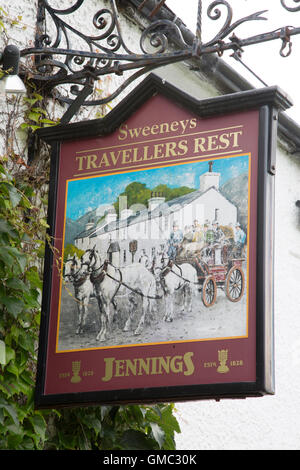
76 59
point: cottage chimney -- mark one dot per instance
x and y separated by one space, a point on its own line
89 225
156 199
209 179
110 217
125 213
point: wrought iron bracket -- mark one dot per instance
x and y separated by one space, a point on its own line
73 73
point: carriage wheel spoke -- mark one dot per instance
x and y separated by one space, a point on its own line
209 292
235 284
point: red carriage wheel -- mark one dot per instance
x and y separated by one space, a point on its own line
235 284
209 291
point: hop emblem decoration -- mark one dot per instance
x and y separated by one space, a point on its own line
223 357
76 369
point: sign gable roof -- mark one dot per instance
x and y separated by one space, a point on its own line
152 85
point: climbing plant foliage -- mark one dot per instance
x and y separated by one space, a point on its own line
22 239
23 207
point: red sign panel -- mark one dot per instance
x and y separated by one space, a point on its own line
153 292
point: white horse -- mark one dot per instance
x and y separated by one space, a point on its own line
83 288
173 278
110 282
144 260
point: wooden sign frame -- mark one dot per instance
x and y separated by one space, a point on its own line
160 129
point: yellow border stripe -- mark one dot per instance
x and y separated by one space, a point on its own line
161 342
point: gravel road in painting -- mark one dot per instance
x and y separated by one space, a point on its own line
222 320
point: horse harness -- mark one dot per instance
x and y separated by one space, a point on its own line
99 278
78 281
169 269
103 272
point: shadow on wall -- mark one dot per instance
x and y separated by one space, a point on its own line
298 219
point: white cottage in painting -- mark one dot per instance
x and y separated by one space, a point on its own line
150 226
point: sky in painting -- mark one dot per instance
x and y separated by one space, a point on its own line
87 194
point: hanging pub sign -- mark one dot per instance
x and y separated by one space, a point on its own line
158 285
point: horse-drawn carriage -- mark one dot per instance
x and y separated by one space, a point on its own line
198 266
218 265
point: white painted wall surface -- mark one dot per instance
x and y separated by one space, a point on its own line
271 422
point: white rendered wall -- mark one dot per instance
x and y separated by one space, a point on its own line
271 422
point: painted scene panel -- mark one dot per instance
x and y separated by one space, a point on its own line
156 255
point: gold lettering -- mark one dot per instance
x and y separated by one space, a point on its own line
119 368
114 157
199 144
123 132
154 370
155 129
176 364
193 123
182 144
211 142
158 148
164 363
188 363
144 366
224 139
164 128
104 161
149 366
146 131
174 126
145 157
91 161
171 149
135 155
184 125
126 157
80 162
131 366
135 132
108 369
235 137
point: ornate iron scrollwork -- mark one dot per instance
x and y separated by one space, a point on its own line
283 3
105 53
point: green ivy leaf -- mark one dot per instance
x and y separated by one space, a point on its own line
34 116
39 110
13 369
2 353
9 411
135 440
15 195
6 257
39 425
31 101
92 422
10 354
33 277
17 284
13 305
26 342
158 434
